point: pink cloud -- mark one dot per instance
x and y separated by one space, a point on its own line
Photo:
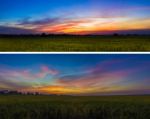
50 71
99 76
45 70
96 79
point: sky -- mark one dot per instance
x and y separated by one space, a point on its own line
76 74
75 16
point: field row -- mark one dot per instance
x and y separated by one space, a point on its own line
80 43
68 107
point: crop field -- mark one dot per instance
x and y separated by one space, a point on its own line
74 43
71 107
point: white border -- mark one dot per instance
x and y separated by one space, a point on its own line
74 52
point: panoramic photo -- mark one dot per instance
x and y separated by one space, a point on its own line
74 25
74 86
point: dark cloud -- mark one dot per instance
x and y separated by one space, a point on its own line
45 21
25 22
141 31
14 30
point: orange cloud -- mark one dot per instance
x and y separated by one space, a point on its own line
91 25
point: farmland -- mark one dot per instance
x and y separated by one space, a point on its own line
74 107
74 43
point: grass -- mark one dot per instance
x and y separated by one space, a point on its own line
69 107
75 43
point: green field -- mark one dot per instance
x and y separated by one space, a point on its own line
70 107
75 43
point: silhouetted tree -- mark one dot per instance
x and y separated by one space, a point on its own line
115 34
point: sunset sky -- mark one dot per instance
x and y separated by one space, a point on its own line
74 16
80 74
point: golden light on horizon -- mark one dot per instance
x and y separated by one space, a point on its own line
95 25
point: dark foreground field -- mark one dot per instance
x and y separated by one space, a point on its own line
67 107
75 43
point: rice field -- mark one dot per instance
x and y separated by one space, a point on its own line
74 107
74 43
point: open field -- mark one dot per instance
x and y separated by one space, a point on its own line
69 107
75 43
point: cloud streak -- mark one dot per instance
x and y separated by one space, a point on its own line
39 22
15 30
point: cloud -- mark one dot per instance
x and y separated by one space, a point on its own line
28 74
45 70
87 25
18 79
21 79
15 30
103 78
40 22
12 84
94 79
99 25
84 84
